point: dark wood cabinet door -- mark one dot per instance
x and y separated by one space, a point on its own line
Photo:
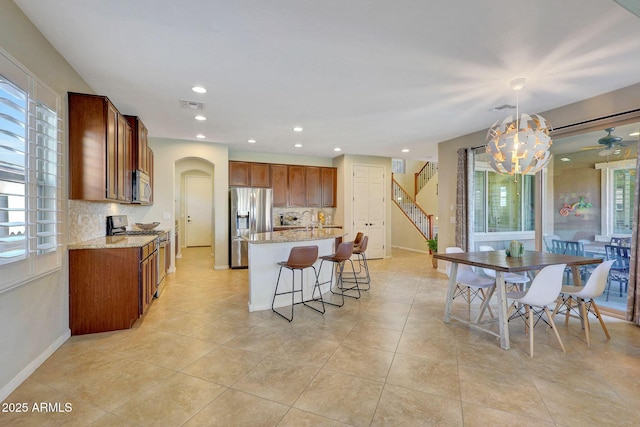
150 170
314 189
280 185
88 147
297 186
123 143
329 185
112 152
104 289
259 173
239 174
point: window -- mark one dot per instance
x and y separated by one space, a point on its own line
502 203
30 176
618 197
398 166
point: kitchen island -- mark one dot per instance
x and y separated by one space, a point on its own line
266 250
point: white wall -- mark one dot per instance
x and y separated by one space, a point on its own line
286 159
166 153
34 317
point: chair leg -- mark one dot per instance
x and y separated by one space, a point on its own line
555 330
275 294
319 299
529 312
597 313
584 314
330 281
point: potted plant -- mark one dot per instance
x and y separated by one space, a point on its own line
433 249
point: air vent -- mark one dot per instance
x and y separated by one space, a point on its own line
191 105
502 108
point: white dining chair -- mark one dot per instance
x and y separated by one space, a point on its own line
514 280
585 296
470 284
544 290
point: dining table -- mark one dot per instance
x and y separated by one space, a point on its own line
530 262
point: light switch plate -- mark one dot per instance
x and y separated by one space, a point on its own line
166 215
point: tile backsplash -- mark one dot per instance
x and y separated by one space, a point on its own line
88 220
302 216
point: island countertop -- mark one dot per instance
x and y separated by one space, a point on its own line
297 235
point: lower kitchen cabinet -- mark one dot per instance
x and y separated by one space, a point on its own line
110 288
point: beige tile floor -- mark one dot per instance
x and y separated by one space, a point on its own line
199 358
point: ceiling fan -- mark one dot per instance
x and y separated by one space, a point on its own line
608 144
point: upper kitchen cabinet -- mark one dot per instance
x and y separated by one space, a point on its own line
100 150
240 174
280 185
141 159
321 186
260 175
328 182
297 186
314 193
249 174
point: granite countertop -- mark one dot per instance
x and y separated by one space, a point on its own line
110 242
293 227
296 235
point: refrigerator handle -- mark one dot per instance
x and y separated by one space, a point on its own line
252 212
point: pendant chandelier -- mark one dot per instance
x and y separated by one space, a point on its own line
521 144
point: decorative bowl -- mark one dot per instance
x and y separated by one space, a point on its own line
149 226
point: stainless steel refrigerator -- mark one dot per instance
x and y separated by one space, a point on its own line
250 212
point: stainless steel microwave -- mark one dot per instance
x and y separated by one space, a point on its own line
141 187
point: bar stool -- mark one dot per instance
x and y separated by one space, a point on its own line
359 251
340 258
300 257
358 240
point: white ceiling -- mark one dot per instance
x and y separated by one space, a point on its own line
369 76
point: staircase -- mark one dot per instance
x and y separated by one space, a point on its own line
407 204
423 176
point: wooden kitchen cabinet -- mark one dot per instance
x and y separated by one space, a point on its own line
321 186
280 185
240 174
110 288
150 172
125 159
328 182
297 186
99 152
314 188
260 175
140 143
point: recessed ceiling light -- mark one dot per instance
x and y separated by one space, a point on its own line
251 141
297 145
635 134
565 159
405 150
337 149
200 136
200 117
199 89
297 129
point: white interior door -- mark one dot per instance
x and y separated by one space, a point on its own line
198 210
368 207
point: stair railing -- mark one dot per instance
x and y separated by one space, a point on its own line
422 221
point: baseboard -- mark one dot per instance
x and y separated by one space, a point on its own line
220 267
31 367
410 249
